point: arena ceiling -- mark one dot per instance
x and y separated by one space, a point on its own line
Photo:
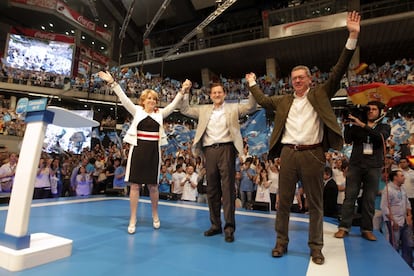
387 38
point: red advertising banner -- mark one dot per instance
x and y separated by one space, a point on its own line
79 19
103 33
74 16
88 53
42 35
61 8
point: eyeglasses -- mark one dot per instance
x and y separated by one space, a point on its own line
302 77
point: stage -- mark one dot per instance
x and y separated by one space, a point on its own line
102 246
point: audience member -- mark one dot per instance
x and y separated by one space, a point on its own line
273 173
165 180
177 177
189 184
7 172
247 184
42 187
330 194
119 175
56 182
263 187
396 210
83 184
409 180
202 186
377 221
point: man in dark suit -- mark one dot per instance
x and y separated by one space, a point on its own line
305 127
218 139
330 194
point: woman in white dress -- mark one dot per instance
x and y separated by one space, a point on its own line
145 136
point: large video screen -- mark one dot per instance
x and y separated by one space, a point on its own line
29 53
73 140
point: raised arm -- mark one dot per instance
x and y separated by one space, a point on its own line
353 23
257 93
177 102
185 106
126 102
248 107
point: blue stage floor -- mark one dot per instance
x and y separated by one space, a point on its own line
102 246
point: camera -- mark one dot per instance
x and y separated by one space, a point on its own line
358 111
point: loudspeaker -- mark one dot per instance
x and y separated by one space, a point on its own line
261 206
168 196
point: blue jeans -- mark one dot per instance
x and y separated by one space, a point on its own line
360 178
246 197
401 239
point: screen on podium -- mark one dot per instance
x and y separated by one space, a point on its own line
59 139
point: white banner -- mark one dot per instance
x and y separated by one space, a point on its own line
308 26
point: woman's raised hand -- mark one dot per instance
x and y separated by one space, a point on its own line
106 76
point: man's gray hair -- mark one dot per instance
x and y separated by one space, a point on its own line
302 67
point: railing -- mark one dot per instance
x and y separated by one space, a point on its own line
276 17
387 7
307 11
377 9
199 44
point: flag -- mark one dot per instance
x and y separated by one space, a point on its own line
390 95
256 130
178 138
399 131
360 68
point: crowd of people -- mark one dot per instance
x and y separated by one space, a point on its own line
304 164
133 82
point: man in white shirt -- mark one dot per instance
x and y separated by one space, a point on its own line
189 184
396 211
218 139
7 172
409 180
305 128
177 178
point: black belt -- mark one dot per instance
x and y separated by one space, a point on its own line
303 147
217 145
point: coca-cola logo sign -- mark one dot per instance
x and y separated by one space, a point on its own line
46 36
85 22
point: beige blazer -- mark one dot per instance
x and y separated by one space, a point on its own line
233 112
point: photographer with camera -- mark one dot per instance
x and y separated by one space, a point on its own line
367 158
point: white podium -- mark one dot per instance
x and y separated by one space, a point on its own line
18 249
